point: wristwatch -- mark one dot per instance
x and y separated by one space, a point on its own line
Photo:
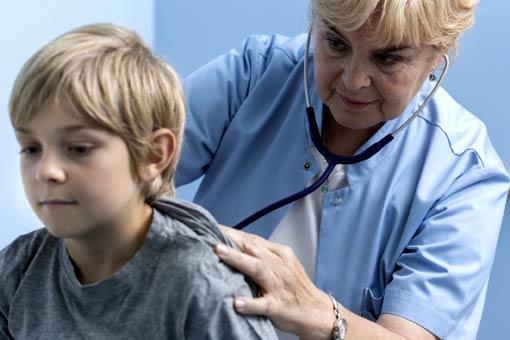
340 325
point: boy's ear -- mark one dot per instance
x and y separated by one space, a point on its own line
164 145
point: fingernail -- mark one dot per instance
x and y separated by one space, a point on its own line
221 249
240 304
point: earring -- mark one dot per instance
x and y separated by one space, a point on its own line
432 77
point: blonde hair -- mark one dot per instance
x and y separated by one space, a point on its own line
437 23
106 75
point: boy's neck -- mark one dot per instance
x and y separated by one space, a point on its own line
104 254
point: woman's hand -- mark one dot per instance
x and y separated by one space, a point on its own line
288 297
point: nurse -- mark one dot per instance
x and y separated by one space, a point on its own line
398 246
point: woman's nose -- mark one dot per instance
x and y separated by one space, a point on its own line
50 169
355 76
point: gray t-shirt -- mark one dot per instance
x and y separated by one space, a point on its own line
175 287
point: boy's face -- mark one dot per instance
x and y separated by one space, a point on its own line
77 177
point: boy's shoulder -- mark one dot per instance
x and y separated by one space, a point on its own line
190 233
190 220
205 286
18 254
16 258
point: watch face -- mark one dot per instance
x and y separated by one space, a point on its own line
340 329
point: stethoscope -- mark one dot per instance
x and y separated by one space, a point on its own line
331 158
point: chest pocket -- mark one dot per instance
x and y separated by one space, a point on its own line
372 305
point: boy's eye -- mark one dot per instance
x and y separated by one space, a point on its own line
80 150
29 150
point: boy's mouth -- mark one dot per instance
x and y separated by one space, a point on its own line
56 202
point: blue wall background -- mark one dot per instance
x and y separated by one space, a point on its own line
190 33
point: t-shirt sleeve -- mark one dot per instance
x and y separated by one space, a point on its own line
214 94
441 278
211 313
13 261
6 292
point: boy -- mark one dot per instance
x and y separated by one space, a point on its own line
99 120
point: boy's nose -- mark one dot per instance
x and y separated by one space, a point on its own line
50 170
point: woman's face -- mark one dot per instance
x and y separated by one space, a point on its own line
363 83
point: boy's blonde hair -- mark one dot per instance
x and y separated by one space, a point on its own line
106 75
437 23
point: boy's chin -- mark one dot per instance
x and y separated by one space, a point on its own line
56 231
68 231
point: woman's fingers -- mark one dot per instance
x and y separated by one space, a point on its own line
245 263
245 241
289 298
231 233
258 306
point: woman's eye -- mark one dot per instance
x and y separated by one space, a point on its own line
387 59
335 44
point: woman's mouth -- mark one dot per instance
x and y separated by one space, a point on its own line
354 103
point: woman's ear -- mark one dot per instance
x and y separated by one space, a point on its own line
438 60
164 145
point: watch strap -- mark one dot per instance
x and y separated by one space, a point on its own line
340 326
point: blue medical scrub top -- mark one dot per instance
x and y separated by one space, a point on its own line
412 234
